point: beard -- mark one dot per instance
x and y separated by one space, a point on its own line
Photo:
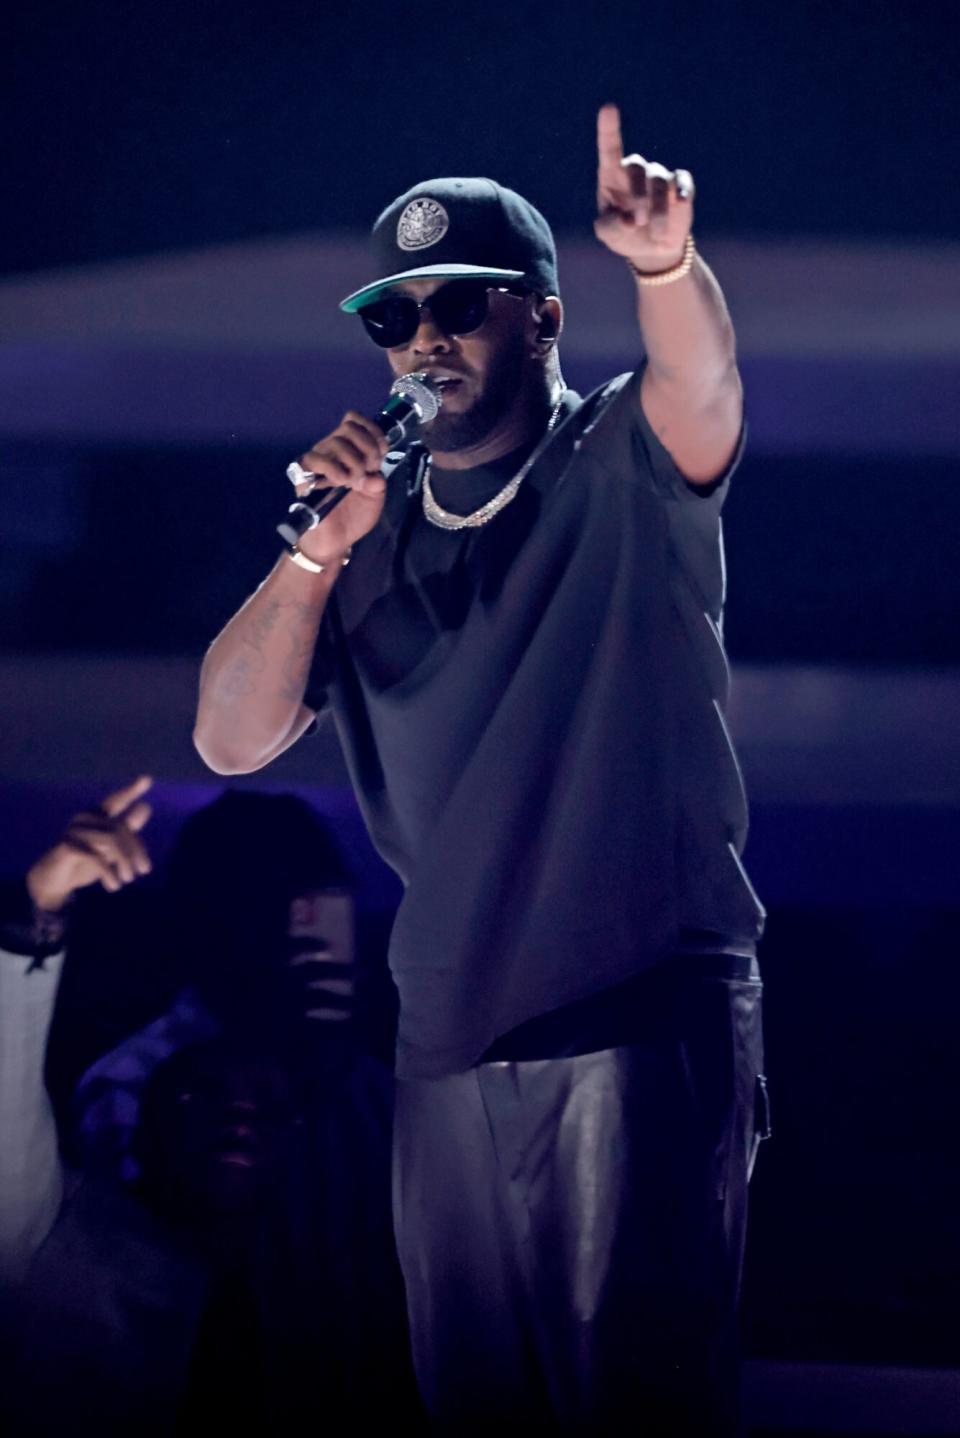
450 432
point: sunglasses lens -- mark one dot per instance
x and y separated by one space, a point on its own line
460 307
391 321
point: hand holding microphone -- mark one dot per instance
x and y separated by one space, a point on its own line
340 484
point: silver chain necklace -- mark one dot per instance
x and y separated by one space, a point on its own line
443 518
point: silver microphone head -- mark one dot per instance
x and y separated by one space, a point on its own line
418 389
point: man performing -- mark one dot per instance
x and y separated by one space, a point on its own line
524 663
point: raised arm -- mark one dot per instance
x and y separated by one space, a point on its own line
254 677
691 391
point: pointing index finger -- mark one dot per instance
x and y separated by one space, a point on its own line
114 804
609 140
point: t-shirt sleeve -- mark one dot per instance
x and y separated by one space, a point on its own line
692 510
657 460
32 1189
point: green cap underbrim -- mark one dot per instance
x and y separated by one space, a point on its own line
426 272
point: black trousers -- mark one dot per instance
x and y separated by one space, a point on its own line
571 1230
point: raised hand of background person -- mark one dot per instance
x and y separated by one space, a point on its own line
348 457
644 211
99 845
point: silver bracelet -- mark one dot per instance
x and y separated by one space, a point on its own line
304 562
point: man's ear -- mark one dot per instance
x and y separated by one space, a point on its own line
548 314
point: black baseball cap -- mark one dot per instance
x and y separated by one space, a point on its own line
460 227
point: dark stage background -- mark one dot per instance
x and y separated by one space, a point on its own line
184 189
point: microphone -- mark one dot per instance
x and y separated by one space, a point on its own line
413 401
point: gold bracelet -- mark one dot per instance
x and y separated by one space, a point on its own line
303 562
667 277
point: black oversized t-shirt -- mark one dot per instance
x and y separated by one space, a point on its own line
532 716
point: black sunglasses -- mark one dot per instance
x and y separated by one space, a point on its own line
458 308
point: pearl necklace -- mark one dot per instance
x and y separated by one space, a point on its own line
444 519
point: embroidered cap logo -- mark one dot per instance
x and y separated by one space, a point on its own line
422 223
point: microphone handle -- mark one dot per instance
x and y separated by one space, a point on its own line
306 514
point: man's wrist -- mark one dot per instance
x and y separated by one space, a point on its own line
319 566
676 269
25 927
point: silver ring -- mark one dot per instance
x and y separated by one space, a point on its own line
298 475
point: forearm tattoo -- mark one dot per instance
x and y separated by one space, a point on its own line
302 631
291 624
